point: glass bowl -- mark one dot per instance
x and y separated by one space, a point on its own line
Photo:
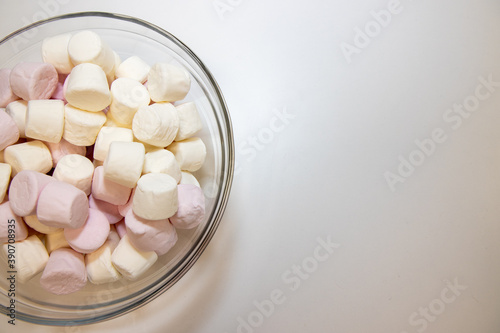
130 36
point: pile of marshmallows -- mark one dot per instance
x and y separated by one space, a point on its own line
101 162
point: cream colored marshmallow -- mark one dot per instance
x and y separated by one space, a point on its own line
100 269
30 257
162 161
35 224
156 124
106 136
134 68
188 178
55 241
76 170
5 172
129 261
155 197
88 47
87 88
17 110
128 96
124 163
2 159
189 153
31 155
168 83
189 121
81 127
55 52
45 120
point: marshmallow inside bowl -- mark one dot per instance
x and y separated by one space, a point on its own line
129 38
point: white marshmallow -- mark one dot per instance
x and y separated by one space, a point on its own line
124 163
134 68
5 172
17 110
30 257
87 88
106 136
189 121
81 127
34 223
188 178
118 60
55 52
162 161
76 170
88 47
155 197
156 124
168 83
189 153
45 120
31 155
100 269
55 241
128 96
129 261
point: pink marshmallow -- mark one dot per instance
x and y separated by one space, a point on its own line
106 190
109 210
121 228
9 132
6 94
62 205
123 209
91 235
159 235
12 224
63 148
191 210
24 190
64 273
33 80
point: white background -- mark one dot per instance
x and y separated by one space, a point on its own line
321 174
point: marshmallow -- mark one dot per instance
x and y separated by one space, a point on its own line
81 127
88 47
100 269
2 160
6 94
30 257
145 235
168 83
45 120
129 261
106 136
124 163
106 190
128 96
189 153
11 224
9 133
55 241
123 209
33 80
121 228
156 124
134 68
55 52
155 197
32 155
34 223
62 148
17 110
189 121
62 205
76 170
191 210
109 210
188 178
87 88
110 122
5 172
91 235
64 273
59 92
162 161
118 61
25 188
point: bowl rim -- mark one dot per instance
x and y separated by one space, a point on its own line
227 174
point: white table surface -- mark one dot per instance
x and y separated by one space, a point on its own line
422 258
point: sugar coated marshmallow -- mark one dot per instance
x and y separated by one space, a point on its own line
100 269
88 47
131 262
133 68
155 197
81 127
17 110
33 80
168 83
55 52
45 120
163 161
6 93
128 96
156 124
76 170
87 88
106 136
25 188
107 190
9 133
31 155
92 235
191 208
64 273
124 163
189 153
189 121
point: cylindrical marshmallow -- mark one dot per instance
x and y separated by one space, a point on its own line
88 47
155 197
162 161
5 172
100 269
34 223
6 94
17 110
87 88
106 136
156 124
168 83
191 210
62 205
124 163
33 80
121 228
145 235
123 209
55 52
9 133
30 257
92 235
106 190
31 155
56 241
81 127
134 68
45 120
64 273
189 121
131 262
76 170
128 96
109 210
189 153
25 188
11 224
63 148
188 178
